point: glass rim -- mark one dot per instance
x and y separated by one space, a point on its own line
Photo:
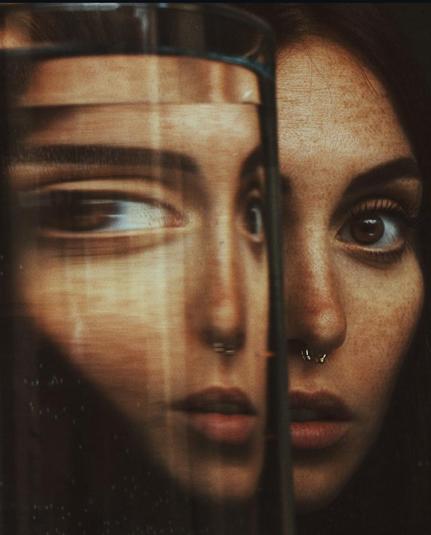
217 7
263 66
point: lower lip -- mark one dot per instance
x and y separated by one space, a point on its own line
234 429
317 435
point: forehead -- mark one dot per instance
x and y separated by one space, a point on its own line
203 109
187 127
117 78
328 99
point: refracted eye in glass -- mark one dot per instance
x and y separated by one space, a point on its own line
68 219
78 211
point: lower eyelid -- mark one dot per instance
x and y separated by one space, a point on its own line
374 253
109 245
379 257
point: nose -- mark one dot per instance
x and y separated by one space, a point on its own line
222 319
316 316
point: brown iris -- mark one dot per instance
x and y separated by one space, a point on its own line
76 212
367 230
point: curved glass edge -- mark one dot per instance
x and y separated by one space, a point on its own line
73 50
216 7
263 64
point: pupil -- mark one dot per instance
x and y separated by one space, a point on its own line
367 230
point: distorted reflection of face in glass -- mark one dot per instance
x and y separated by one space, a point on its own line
146 264
354 288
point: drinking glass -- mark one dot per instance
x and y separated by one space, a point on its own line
141 277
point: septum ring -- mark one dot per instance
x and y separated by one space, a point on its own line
224 349
309 356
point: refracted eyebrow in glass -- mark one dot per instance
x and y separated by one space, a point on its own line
43 165
78 157
103 154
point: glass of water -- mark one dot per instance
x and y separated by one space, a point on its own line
141 281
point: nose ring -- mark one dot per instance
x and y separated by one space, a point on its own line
309 356
224 349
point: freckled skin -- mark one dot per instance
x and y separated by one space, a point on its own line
335 121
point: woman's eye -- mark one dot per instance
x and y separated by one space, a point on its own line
254 218
374 230
90 212
367 230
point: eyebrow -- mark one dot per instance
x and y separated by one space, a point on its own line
103 155
100 155
380 175
404 167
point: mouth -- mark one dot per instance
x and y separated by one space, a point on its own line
220 415
319 420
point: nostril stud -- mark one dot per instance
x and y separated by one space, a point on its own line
306 354
224 349
309 356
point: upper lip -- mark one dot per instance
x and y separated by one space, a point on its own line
217 399
326 404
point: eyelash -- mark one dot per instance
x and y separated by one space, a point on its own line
378 208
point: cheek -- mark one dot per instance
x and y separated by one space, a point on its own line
110 318
382 309
383 312
129 324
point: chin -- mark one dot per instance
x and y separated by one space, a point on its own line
315 488
231 486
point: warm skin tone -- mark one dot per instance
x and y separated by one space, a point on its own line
354 289
153 264
12 33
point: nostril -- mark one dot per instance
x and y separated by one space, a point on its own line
320 327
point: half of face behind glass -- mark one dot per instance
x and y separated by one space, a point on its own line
206 63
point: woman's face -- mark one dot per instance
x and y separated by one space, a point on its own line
146 262
353 285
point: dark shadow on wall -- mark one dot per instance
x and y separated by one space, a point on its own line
414 20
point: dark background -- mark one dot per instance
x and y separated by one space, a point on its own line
414 20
